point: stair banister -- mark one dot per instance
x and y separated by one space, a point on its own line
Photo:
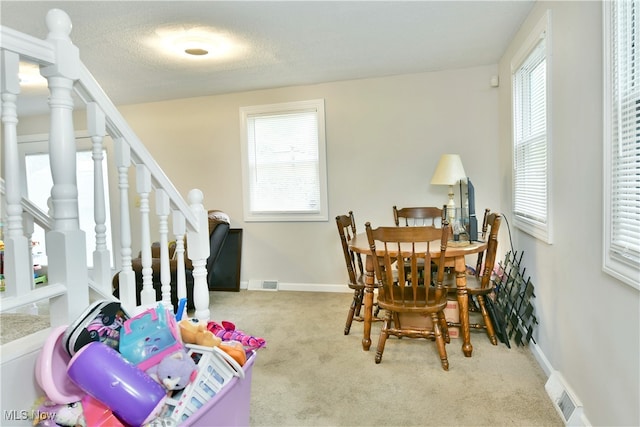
179 230
16 244
90 91
163 210
96 126
66 242
143 185
126 276
198 253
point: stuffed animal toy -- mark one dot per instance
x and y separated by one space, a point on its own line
193 331
236 350
175 371
50 414
227 332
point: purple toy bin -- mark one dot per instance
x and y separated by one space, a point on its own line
125 389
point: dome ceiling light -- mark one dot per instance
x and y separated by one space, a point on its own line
195 43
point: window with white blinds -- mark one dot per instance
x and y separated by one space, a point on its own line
530 136
621 257
284 162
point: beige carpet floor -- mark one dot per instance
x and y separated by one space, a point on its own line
311 374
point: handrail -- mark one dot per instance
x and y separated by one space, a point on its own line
28 47
39 216
90 91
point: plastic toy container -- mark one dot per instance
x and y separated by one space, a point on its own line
230 406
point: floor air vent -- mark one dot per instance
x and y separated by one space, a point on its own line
564 400
263 285
566 405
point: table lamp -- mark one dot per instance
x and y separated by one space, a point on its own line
448 172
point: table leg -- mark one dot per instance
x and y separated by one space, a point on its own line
368 303
463 304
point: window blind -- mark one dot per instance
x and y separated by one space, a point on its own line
284 162
624 191
530 137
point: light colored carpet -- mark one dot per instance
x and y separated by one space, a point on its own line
311 374
23 322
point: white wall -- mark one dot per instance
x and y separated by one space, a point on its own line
589 322
384 138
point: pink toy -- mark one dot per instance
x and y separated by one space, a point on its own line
51 370
227 332
98 415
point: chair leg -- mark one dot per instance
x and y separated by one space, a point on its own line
442 351
355 305
358 296
443 327
487 321
384 334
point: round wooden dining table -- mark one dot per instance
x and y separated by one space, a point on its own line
455 257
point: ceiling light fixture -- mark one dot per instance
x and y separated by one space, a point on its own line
196 51
196 43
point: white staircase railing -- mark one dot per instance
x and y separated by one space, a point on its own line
69 278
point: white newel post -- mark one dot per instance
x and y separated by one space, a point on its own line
126 277
96 124
198 241
66 243
179 230
163 210
19 272
143 186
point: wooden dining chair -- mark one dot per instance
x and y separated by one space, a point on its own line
417 216
479 284
355 270
405 296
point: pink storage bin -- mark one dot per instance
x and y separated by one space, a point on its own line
230 406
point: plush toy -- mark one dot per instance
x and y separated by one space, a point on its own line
50 414
175 371
236 350
193 331
227 332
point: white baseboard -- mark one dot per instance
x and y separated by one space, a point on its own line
314 287
541 358
304 287
555 386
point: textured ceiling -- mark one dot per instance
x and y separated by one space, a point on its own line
285 43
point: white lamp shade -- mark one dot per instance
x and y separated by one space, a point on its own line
449 170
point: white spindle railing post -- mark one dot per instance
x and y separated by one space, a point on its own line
96 124
179 230
163 210
126 277
198 241
66 243
143 186
18 270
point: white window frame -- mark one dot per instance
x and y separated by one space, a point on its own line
542 230
620 257
252 214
